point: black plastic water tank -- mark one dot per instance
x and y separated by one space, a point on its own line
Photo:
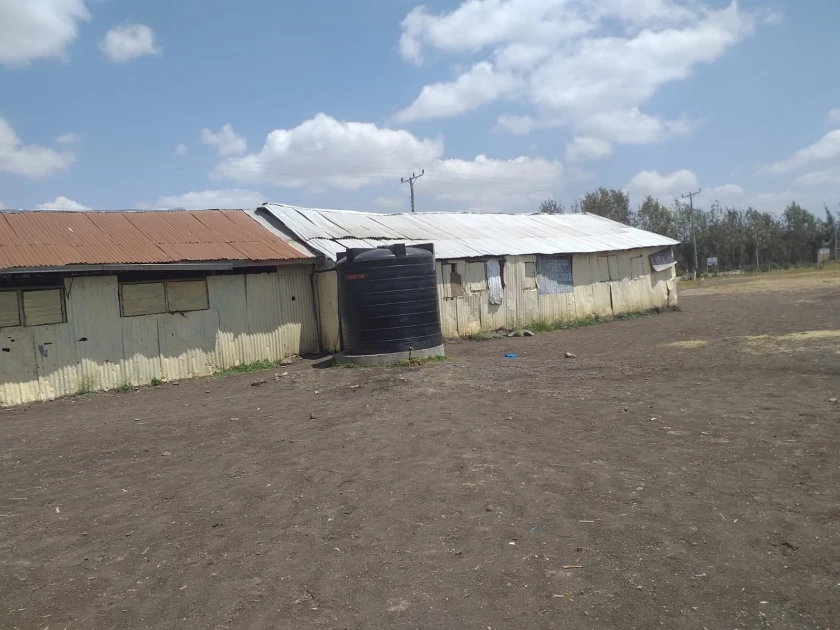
388 299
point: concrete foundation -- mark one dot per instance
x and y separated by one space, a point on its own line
383 360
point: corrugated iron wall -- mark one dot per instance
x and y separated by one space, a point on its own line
327 287
251 317
636 287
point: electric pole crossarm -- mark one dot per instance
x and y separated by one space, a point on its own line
410 181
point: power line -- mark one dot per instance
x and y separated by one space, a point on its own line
410 181
690 197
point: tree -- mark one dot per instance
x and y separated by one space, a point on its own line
550 206
655 217
612 204
801 234
830 227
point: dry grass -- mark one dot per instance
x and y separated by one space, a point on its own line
689 345
793 342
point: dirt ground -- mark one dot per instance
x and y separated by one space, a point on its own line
682 472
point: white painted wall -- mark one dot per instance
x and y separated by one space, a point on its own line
251 318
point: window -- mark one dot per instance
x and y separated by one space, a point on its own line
636 267
607 268
172 296
476 277
554 275
451 283
603 269
456 288
9 308
34 307
662 260
530 275
187 296
147 298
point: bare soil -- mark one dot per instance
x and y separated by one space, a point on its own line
681 472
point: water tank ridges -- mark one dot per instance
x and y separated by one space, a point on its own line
388 299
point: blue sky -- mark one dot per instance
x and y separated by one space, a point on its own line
205 103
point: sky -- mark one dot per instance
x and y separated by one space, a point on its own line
113 104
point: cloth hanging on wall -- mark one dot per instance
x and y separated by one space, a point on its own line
494 281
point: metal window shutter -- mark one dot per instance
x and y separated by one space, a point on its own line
636 267
476 277
530 275
187 296
9 313
613 262
42 307
603 269
143 299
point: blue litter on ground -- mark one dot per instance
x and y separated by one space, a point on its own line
510 355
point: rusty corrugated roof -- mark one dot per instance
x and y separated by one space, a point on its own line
56 239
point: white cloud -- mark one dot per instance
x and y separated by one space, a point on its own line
479 85
818 178
774 202
826 148
477 24
38 29
127 42
228 198
587 65
61 203
182 149
488 185
520 56
29 160
726 195
68 138
226 140
663 187
516 125
834 115
583 149
633 127
729 190
2 206
323 151
394 204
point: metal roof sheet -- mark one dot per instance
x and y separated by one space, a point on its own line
462 235
55 239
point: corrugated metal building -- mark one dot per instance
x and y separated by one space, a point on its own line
498 270
96 300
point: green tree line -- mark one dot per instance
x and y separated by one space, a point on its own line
738 238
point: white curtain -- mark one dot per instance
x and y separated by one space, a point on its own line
494 281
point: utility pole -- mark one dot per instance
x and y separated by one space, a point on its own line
410 181
690 197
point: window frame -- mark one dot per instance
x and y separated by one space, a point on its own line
484 286
641 271
525 274
165 283
453 292
22 311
